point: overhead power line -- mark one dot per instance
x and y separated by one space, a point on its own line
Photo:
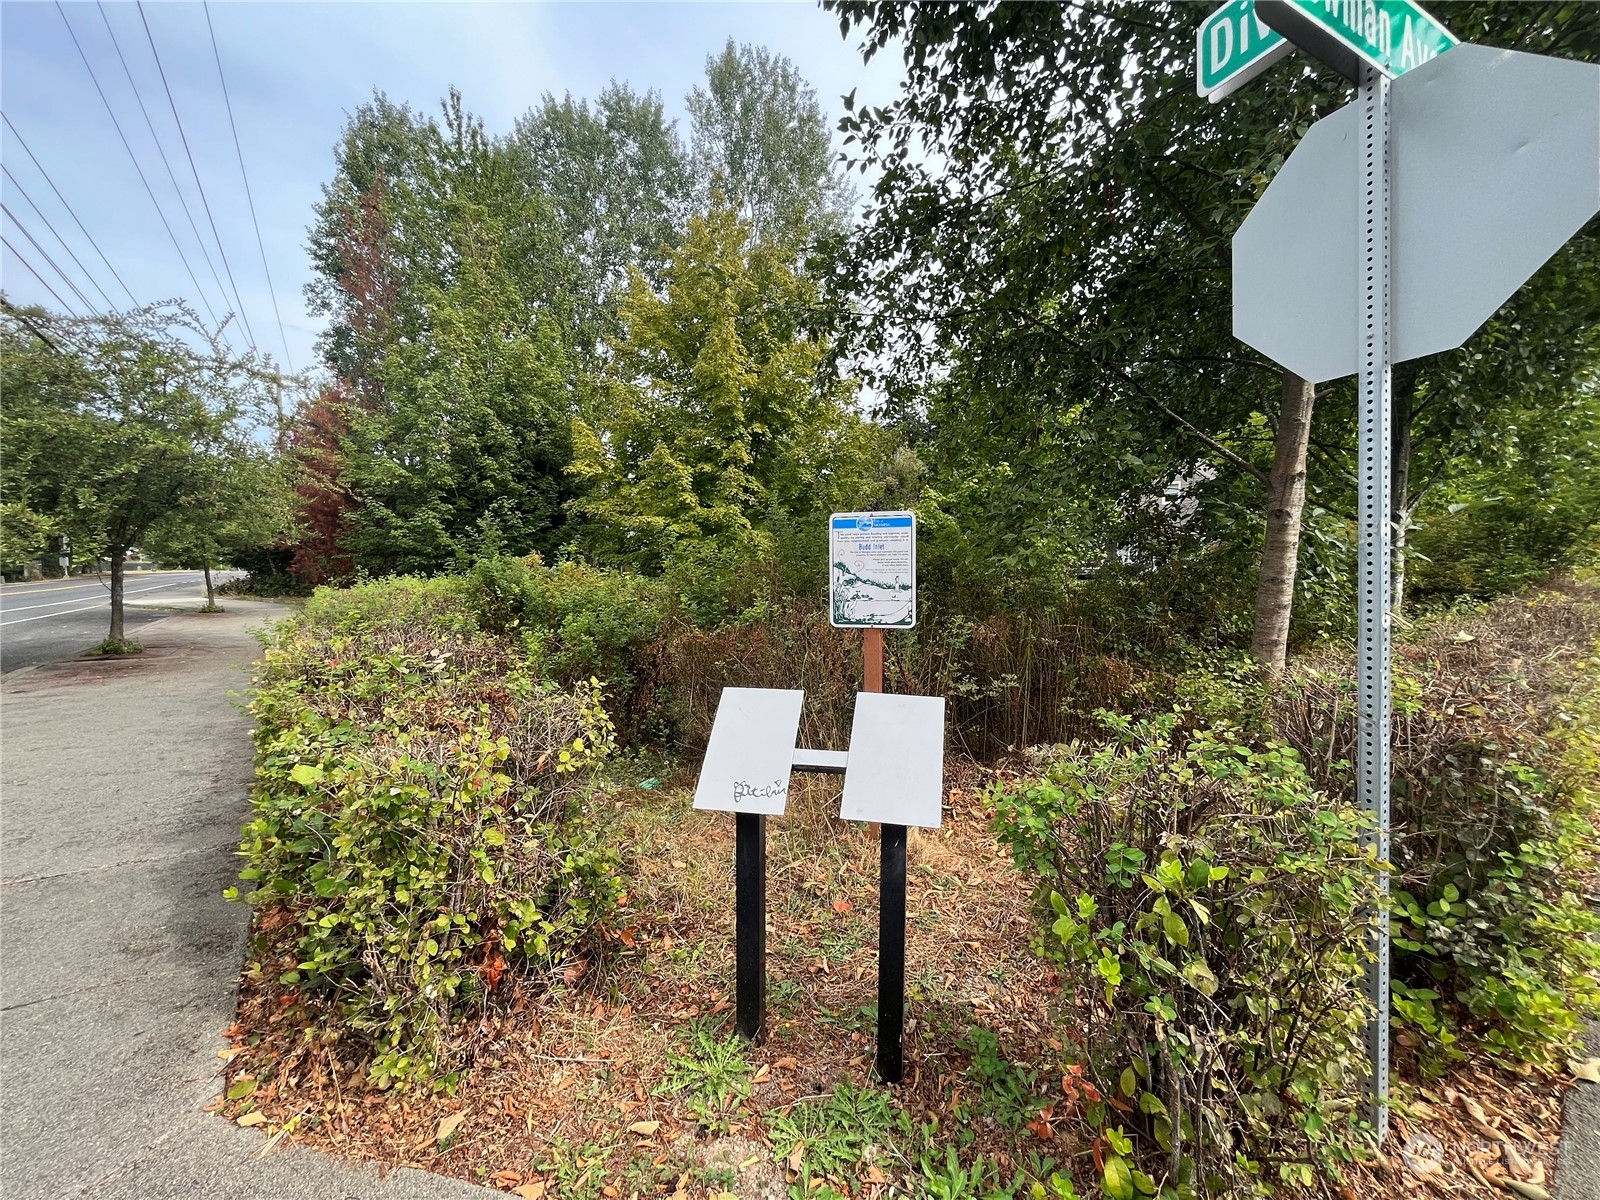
45 254
38 212
131 298
243 174
134 158
5 241
204 202
161 150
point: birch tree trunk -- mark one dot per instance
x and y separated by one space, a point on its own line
1286 500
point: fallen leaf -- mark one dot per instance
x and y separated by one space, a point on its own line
532 1190
1588 1070
796 1156
449 1125
1532 1191
761 1075
611 1190
786 1063
842 906
253 1118
505 1178
644 1128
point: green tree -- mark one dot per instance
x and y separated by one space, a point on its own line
1045 269
110 421
460 438
619 182
719 438
240 500
761 140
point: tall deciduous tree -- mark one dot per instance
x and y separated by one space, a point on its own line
619 181
463 440
761 139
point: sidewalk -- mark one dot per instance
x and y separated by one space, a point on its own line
124 784
1578 1157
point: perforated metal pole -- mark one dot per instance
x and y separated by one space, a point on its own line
1372 593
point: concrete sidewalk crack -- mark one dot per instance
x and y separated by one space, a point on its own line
93 987
129 862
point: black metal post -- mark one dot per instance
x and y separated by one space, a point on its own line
750 922
891 950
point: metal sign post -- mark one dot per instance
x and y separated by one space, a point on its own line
1476 165
750 923
896 776
1372 600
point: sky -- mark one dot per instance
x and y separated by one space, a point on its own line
294 72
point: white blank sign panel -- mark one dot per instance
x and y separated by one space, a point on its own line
896 769
751 751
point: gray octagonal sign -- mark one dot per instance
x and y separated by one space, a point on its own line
1496 163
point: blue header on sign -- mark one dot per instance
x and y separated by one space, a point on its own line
872 522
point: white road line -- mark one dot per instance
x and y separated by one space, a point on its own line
103 603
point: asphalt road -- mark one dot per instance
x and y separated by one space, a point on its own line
59 618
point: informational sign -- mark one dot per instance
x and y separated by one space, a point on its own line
872 570
896 767
1395 36
751 752
1232 46
1495 156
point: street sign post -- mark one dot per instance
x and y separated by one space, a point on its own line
1396 228
1231 47
1392 36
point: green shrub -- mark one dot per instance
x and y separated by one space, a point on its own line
419 825
580 622
1207 907
265 585
441 603
1494 808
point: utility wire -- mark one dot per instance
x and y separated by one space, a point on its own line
243 174
135 159
54 266
131 298
17 254
205 203
38 212
172 177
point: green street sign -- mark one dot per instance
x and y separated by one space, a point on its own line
1392 35
1232 47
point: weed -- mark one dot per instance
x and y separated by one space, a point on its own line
949 1180
1006 1094
115 646
837 1131
579 1171
713 1074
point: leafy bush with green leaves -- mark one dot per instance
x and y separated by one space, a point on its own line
1208 908
578 622
1494 809
419 825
